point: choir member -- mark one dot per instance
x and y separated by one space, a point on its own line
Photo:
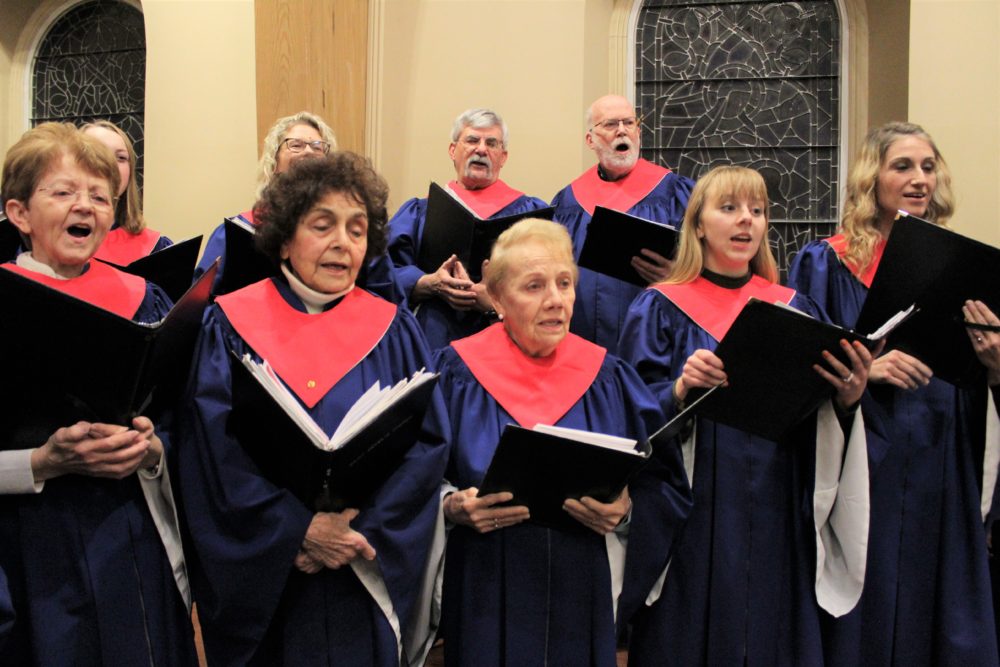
778 529
622 181
129 239
516 593
88 534
279 582
451 305
927 597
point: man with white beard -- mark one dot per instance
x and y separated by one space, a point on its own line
447 303
622 181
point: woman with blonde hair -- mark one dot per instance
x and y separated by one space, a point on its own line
749 576
129 239
518 593
926 599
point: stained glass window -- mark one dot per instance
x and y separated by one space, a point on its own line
748 83
92 64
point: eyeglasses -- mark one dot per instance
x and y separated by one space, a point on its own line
66 195
472 141
299 145
611 124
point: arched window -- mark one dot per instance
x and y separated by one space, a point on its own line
92 64
748 83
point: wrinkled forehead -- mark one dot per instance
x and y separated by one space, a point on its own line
612 108
489 131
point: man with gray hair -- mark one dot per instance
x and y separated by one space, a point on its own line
622 181
447 303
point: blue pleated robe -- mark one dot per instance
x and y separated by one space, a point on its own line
254 606
602 301
88 575
927 598
528 595
377 276
441 323
740 587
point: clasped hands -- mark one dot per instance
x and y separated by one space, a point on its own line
451 282
98 450
331 542
483 515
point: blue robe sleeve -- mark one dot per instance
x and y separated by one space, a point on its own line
810 272
161 243
214 248
647 342
405 230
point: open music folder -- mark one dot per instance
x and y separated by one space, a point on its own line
327 473
452 229
614 238
545 465
768 355
938 270
68 360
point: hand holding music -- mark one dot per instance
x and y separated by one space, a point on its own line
480 514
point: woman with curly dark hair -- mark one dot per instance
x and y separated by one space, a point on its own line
279 582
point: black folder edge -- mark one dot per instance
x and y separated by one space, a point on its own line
473 249
244 264
496 480
170 268
607 224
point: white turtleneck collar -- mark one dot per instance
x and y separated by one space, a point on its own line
26 261
314 301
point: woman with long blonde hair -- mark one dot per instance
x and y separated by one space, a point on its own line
927 593
750 572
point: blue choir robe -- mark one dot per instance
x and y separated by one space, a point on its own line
777 529
927 598
254 606
89 574
528 595
442 323
602 301
376 277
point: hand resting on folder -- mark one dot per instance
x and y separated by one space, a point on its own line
481 514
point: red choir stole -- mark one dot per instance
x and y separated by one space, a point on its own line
310 352
715 308
591 190
100 285
122 247
489 200
533 390
839 245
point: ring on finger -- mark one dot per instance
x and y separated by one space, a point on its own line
850 376
979 339
496 523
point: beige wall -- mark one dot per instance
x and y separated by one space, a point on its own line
538 64
955 94
201 122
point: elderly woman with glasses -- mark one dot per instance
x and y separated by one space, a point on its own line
517 593
91 552
283 582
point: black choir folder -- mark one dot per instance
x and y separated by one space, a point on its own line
73 361
614 238
452 229
768 354
937 269
245 264
327 473
170 268
545 465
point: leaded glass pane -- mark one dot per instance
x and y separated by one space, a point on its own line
749 83
92 64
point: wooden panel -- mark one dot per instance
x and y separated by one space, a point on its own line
312 56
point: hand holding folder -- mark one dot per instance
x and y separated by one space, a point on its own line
614 238
544 466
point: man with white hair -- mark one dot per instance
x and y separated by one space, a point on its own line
447 303
622 181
